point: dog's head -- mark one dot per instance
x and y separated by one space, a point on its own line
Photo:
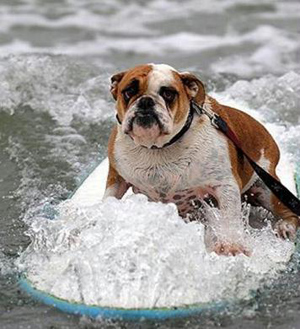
153 102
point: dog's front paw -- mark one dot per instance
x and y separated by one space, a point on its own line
230 249
286 229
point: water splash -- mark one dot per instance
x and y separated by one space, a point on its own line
63 88
137 254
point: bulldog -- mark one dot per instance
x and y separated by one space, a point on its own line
167 152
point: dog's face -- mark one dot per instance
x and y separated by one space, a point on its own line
153 102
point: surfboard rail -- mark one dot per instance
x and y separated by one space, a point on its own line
94 311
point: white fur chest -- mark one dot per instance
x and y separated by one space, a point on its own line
200 159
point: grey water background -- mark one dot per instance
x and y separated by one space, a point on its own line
56 112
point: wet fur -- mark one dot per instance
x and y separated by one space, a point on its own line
203 162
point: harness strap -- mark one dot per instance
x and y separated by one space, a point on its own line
277 188
183 130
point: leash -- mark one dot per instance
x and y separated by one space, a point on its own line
276 187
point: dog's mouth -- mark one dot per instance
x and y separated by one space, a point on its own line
145 119
145 128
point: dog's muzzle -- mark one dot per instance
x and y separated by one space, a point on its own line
145 115
145 119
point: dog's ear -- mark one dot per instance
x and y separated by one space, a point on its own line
194 87
115 80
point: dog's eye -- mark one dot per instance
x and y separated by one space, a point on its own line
168 94
130 91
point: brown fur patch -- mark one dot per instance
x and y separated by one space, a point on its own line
112 175
182 103
253 136
139 73
184 83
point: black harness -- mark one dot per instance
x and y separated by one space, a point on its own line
277 188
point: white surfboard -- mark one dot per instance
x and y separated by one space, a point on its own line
91 191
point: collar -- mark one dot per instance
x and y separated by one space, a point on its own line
193 108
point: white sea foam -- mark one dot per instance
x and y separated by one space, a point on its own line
158 28
275 53
137 254
268 39
6 265
273 98
62 87
115 28
107 15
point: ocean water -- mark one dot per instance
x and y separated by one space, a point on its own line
56 113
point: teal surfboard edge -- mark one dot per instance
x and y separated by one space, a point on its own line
297 178
94 311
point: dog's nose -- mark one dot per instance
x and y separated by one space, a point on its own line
146 103
145 115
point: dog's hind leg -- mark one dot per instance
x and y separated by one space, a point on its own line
286 221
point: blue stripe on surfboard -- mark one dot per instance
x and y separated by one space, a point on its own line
297 179
94 311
